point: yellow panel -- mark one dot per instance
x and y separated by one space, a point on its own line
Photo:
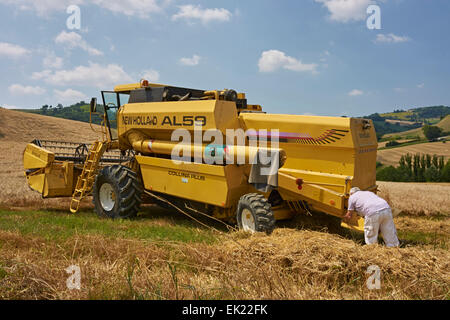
356 223
35 157
59 180
198 182
134 86
158 120
36 182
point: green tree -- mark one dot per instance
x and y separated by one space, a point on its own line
44 108
432 174
428 159
445 174
432 132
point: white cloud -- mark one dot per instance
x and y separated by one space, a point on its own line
51 61
273 60
195 60
391 38
190 13
12 50
399 90
346 10
74 40
92 75
41 75
150 75
355 92
69 95
139 8
42 7
421 85
18 89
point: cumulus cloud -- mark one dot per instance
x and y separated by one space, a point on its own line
94 74
42 8
18 89
192 13
73 40
195 60
69 95
150 75
272 60
346 10
139 8
355 92
14 51
391 38
51 61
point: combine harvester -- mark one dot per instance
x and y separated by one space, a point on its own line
314 161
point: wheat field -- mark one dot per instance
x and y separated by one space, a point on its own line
391 157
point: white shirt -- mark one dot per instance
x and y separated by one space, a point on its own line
366 203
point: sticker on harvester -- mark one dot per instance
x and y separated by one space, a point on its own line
186 175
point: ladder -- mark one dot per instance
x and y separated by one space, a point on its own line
87 177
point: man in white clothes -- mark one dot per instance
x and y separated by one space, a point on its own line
377 216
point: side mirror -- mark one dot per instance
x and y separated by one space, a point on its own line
93 105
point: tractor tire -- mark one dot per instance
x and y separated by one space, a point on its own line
254 214
117 192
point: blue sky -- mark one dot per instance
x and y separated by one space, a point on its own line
298 57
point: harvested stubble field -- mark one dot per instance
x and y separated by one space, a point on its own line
164 255
391 157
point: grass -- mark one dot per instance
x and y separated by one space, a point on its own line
54 225
404 144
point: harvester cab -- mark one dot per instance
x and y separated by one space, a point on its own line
209 152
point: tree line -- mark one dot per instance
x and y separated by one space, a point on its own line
416 168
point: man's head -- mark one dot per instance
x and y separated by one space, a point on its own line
354 190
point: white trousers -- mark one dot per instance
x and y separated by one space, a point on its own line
381 221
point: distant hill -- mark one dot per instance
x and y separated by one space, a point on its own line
78 111
444 124
412 120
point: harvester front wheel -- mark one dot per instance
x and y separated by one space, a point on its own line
254 214
117 192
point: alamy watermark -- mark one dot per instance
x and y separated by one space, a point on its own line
373 22
209 147
73 282
374 280
73 22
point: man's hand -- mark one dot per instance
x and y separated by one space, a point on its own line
348 216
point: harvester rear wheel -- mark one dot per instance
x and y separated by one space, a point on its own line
117 192
254 214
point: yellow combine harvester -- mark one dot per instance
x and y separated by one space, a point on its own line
208 152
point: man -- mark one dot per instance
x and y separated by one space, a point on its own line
377 216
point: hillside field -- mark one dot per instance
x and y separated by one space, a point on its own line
391 156
165 255
444 124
